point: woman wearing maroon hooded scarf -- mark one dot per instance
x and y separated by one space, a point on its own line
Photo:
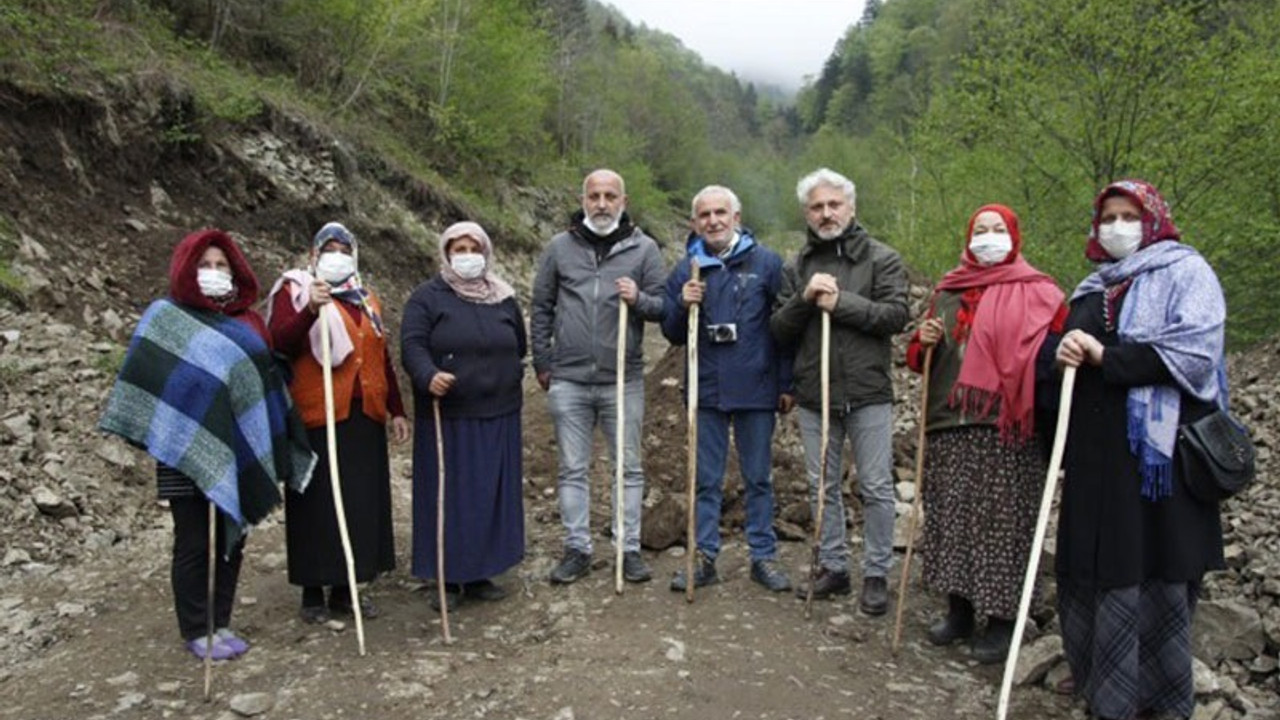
174 398
992 323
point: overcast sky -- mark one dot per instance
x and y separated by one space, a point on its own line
774 41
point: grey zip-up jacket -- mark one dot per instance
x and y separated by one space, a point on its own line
871 309
574 321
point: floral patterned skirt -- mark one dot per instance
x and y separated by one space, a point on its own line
981 498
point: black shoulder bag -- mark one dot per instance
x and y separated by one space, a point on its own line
1217 457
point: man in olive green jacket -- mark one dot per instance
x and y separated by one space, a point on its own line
861 282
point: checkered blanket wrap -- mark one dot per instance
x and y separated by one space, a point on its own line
1130 648
199 391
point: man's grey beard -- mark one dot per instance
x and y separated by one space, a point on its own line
830 234
603 230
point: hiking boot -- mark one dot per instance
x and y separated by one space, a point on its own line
573 567
828 584
957 625
993 646
484 590
767 573
452 597
704 574
633 568
875 596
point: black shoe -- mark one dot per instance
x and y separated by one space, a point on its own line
484 590
340 604
704 574
767 573
993 646
957 625
829 583
573 567
452 597
875 596
633 568
314 614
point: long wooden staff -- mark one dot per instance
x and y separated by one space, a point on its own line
691 369
825 374
331 436
444 605
209 599
1042 523
619 538
918 501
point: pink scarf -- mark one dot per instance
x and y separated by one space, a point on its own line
1013 316
488 289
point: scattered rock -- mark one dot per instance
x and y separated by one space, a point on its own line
250 704
51 503
1227 629
1036 659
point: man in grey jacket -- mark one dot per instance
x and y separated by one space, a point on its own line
861 282
582 276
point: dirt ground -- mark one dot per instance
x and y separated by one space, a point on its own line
545 652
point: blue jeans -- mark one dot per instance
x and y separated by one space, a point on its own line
869 430
753 436
577 409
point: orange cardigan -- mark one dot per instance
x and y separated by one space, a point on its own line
367 363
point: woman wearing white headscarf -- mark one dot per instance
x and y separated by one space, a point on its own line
366 400
463 343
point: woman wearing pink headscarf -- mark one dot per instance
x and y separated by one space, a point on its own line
987 324
463 342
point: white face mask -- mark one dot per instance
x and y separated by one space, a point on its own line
214 283
990 247
335 268
469 266
1120 238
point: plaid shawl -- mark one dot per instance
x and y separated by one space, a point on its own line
200 393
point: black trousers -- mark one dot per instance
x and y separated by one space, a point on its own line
190 571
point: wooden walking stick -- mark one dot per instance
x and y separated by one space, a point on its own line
444 605
209 599
691 461
331 436
825 374
919 498
1042 523
619 537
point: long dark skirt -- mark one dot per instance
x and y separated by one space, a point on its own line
981 498
1130 648
484 508
311 526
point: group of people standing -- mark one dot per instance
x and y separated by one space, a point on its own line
1145 331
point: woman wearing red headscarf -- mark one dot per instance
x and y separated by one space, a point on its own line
987 324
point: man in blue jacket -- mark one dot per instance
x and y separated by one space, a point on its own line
743 377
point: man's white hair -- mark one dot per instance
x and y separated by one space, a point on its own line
829 178
734 203
622 184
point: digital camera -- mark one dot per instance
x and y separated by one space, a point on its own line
723 333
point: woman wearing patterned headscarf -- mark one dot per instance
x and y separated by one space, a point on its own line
1146 332
463 343
366 399
991 319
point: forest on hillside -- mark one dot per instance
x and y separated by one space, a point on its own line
932 106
